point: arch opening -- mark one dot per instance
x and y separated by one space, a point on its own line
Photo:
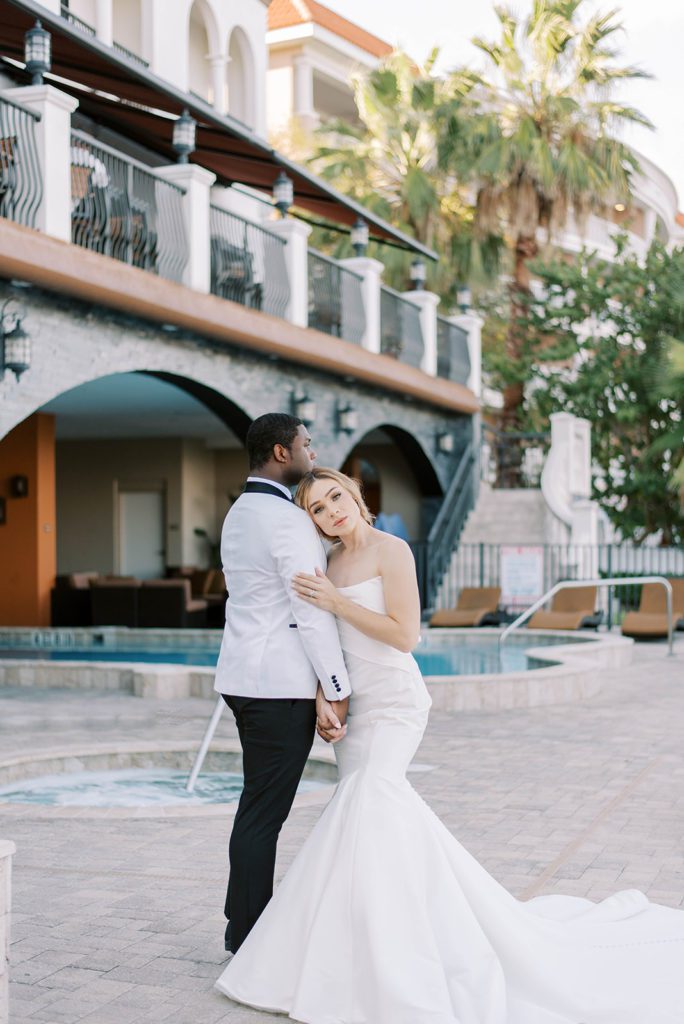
201 42
240 78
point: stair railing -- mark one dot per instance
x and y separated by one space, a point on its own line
447 527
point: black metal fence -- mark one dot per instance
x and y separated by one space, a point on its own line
480 565
122 209
401 334
335 298
21 187
77 22
248 263
453 358
511 460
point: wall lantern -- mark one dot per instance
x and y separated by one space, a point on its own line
304 408
463 298
417 273
359 237
37 52
347 418
184 130
15 344
283 193
19 486
445 442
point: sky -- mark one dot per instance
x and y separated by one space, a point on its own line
653 39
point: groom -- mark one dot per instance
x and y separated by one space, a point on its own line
276 648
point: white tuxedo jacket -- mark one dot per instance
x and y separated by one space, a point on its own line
274 643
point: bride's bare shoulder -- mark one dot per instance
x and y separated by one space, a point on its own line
392 549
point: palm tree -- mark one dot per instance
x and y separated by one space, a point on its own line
389 161
542 142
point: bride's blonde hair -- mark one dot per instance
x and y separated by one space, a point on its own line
349 484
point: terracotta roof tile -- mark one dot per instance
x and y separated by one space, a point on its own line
285 13
680 219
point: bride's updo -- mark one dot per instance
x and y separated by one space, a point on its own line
321 473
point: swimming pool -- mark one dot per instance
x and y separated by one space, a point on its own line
452 655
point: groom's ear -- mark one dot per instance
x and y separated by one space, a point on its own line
280 453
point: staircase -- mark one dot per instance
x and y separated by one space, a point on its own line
499 517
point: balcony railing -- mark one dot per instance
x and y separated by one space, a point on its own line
21 186
401 334
248 263
453 358
120 48
122 209
335 298
76 21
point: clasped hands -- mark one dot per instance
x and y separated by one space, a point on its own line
331 717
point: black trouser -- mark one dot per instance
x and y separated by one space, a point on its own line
276 737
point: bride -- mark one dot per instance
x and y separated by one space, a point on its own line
383 917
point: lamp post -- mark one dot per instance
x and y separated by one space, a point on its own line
304 408
15 344
37 52
347 418
283 193
463 298
417 273
184 131
359 237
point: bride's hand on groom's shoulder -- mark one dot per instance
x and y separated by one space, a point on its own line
316 590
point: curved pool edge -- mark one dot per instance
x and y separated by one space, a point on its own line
117 754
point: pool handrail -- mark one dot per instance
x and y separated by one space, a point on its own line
614 581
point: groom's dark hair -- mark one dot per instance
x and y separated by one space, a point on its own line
266 431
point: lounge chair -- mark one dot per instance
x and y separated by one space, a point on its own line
651 619
114 601
476 606
570 609
70 599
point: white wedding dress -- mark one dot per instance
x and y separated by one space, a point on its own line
384 918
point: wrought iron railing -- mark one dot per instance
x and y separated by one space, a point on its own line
480 565
453 358
335 298
77 22
21 186
510 460
120 208
433 556
248 263
401 334
120 48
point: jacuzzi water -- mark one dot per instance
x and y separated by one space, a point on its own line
436 656
130 787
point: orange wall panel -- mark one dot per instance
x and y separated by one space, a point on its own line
27 539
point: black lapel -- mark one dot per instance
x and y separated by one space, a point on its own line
256 487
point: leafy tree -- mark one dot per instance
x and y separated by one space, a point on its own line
541 145
390 163
604 336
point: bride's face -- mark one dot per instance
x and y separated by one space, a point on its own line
333 508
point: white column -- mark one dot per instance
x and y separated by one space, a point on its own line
303 101
371 272
471 323
197 183
7 850
218 63
53 140
52 5
104 21
296 234
427 302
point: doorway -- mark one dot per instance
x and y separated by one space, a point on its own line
141 515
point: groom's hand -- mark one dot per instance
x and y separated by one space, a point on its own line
330 719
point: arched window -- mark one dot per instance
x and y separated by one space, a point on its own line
240 76
200 39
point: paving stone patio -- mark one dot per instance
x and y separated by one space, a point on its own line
117 919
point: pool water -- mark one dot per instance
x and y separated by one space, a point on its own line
130 787
436 656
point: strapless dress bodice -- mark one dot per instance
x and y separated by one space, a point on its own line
370 594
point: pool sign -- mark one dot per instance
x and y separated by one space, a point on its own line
522 575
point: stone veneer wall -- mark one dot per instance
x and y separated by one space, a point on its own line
7 849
